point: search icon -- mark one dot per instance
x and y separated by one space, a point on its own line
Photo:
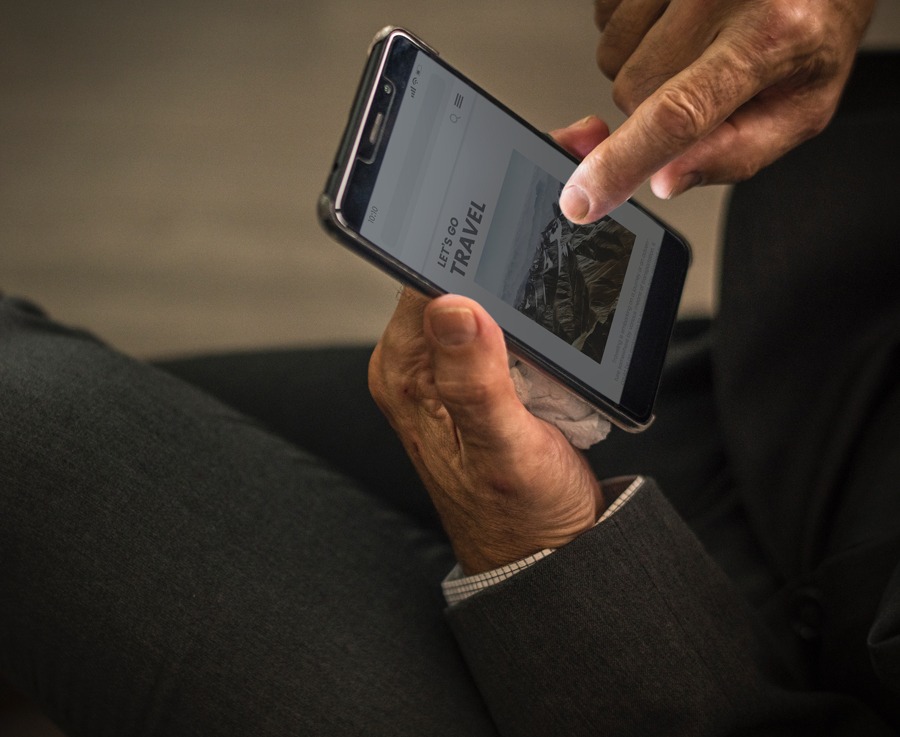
454 118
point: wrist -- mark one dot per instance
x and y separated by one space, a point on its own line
502 540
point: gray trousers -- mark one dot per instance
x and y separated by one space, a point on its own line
262 561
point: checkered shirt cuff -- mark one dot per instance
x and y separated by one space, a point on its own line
458 587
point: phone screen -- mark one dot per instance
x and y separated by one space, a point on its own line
466 194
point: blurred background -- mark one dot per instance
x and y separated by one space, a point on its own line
160 162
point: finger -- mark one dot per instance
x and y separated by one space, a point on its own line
603 10
398 354
654 41
471 375
752 138
410 306
406 321
624 28
680 113
580 138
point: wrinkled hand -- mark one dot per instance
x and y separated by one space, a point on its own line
505 483
715 90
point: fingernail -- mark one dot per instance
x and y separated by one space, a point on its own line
454 326
574 202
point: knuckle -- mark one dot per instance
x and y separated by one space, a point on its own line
624 93
815 126
403 392
681 115
614 48
609 59
788 31
470 391
374 371
793 23
378 388
603 10
609 175
400 401
742 170
637 80
814 122
387 387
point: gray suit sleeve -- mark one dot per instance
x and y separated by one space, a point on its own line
633 630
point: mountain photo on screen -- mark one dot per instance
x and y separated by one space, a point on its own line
565 277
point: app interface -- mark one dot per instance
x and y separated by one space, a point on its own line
469 198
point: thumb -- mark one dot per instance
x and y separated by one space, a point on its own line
471 373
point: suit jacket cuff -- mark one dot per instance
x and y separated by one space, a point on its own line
630 624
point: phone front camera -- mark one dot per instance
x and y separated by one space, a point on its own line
387 88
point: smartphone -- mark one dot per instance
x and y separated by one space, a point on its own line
445 188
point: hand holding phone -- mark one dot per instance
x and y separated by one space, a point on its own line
505 484
442 186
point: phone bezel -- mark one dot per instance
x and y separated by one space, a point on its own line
653 348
